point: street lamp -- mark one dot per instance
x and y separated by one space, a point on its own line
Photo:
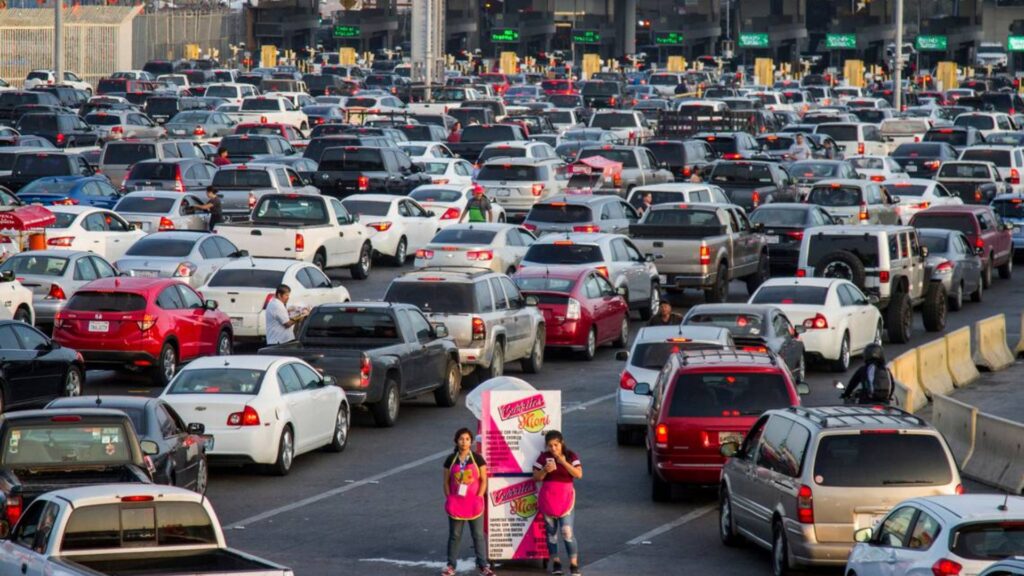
897 76
58 42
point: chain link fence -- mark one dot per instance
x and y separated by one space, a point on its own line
163 35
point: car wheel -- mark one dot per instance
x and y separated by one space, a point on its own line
361 269
73 382
401 251
780 551
956 301
385 412
661 491
224 344
167 364
986 274
934 309
285 453
842 264
652 304
448 395
756 279
342 423
533 363
1006 270
842 364
720 291
899 318
320 259
624 436
623 338
590 348
497 367
726 529
22 315
979 294
202 475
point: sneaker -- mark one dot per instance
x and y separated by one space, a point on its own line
574 570
556 568
448 571
486 571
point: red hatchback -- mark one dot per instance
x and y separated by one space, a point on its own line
153 323
701 401
582 310
985 230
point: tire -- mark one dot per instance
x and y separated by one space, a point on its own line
841 264
780 551
757 278
1006 270
448 395
385 412
285 453
720 291
726 521
934 309
22 315
224 344
623 338
320 259
986 274
661 491
342 425
202 475
979 294
401 252
842 364
535 361
898 317
361 269
652 304
497 367
72 382
623 436
167 364
956 301
590 348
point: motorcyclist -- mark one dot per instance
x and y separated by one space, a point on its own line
872 383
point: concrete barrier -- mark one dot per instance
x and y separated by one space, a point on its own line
957 422
998 457
990 349
958 355
908 384
933 368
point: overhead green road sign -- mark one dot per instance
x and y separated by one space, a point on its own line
347 32
841 41
1015 43
932 43
586 37
505 35
753 40
668 38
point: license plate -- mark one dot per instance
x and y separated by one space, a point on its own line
502 192
147 187
771 239
725 437
236 321
147 273
910 168
95 326
207 442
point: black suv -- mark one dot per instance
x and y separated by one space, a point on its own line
682 158
13 99
349 170
315 149
30 166
602 94
61 128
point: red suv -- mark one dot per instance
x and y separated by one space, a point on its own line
703 399
984 229
582 310
500 82
142 323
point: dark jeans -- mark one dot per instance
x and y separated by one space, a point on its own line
476 529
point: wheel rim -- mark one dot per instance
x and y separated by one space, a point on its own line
624 331
498 364
538 351
318 261
801 370
364 260
73 386
168 363
392 403
591 343
655 300
201 476
845 353
878 335
725 518
838 270
224 348
778 553
21 315
453 383
286 450
341 427
400 252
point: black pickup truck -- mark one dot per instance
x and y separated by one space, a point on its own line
31 166
348 170
45 450
754 183
474 138
379 353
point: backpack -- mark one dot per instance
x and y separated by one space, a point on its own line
881 389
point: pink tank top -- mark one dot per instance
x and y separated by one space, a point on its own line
471 504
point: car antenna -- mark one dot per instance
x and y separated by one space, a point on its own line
1002 507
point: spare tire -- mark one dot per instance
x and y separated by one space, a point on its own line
841 264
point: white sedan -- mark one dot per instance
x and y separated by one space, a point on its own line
96 230
425 151
499 247
243 287
453 171
877 168
917 194
838 319
399 225
261 409
15 300
449 202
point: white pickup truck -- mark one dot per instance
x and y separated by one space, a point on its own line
314 229
117 529
271 110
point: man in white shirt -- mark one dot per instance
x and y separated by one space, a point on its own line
279 324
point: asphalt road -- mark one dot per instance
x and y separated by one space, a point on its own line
377 508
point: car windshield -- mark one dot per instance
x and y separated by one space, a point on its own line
884 459
779 216
284 208
1009 138
145 204
261 105
464 236
867 163
153 171
989 540
836 197
738 324
957 170
436 194
102 119
66 444
501 151
951 137
40 165
434 296
582 136
600 89
560 212
127 153
701 395
246 277
246 146
367 207
790 294
566 252
961 222
217 381
902 189
1000 158
156 246
35 265
741 173
975 121
653 355
352 159
776 142
864 247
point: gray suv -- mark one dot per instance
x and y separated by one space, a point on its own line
568 213
485 313
803 480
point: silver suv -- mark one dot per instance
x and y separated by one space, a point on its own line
805 479
516 184
490 320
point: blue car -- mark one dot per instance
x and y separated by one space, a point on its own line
75 190
1010 208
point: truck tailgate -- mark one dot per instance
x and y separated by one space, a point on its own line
264 241
342 363
173 563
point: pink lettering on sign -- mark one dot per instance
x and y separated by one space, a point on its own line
513 492
524 406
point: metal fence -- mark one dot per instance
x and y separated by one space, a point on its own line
164 34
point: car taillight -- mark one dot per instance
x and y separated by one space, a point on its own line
731 156
612 101
65 202
797 235
705 255
863 215
860 148
267 300
146 323
617 180
626 381
933 164
530 227
60 241
300 242
363 183
263 119
946 567
184 270
603 271
819 322
924 205
56 293
60 139
587 228
199 131
572 309
364 372
252 201
959 489
117 130
944 267
878 178
425 254
166 223
451 214
480 255
756 198
12 512
687 171
979 243
479 328
977 194
883 276
661 434
801 273
805 505
179 183
247 417
380 226
537 189
1014 176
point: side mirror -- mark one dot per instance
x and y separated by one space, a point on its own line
621 291
210 304
440 331
863 535
196 428
650 257
431 213
622 355
1008 227
873 300
839 385
532 300
149 448
758 227
803 389
354 218
240 254
330 381
924 251
800 329
894 200
642 389
729 449
307 182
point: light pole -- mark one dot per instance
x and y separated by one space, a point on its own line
58 42
897 91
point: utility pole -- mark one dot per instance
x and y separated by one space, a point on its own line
58 42
897 89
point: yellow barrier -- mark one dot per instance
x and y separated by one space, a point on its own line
933 368
957 422
958 355
990 349
908 383
1019 348
998 457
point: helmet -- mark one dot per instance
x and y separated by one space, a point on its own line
874 353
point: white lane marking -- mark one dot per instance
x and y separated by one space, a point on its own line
465 565
684 519
376 478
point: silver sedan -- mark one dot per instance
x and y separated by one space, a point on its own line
161 211
191 256
955 262
54 276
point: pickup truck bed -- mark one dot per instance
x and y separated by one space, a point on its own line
191 563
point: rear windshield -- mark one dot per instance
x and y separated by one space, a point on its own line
877 460
261 105
925 149
489 133
435 194
145 204
222 91
839 133
843 196
259 130
40 165
563 254
979 122
978 171
7 161
867 163
509 173
672 153
776 142
217 381
247 277
545 284
738 324
863 247
734 394
608 121
102 119
36 265
1000 158
13 99
935 244
564 100
44 122
463 236
657 197
434 297
1012 208
367 207
495 152
127 153
989 541
153 171
626 157
779 217
902 189
653 355
741 173
962 222
600 89
291 208
66 444
951 137
787 294
352 160
157 246
162 106
241 179
871 115
814 169
560 212
245 147
688 218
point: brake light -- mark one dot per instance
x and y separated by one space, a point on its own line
480 255
60 139
451 214
979 243
479 328
863 215
801 273
731 156
977 194
944 267
805 505
705 255
179 183
1014 176
819 322
797 235
612 101
661 434
626 381
363 183
65 202
756 198
146 323
13 509
184 270
933 164
573 310
758 349
364 371
380 226
425 254
530 227
56 293
883 276
959 489
300 242
878 178
946 567
603 271
587 228
117 130
537 189
267 300
247 417
860 148
64 241
252 201
687 171
263 119
617 180
139 498
166 223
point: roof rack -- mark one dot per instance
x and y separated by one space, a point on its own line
853 415
686 357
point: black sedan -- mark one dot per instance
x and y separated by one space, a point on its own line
784 225
755 327
35 369
181 460
922 159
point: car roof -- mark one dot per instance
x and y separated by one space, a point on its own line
578 238
56 253
732 308
721 358
105 493
820 282
72 209
672 187
129 284
48 414
110 402
275 264
849 182
385 198
579 199
158 194
177 235
492 226
449 273
857 417
246 361
958 209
